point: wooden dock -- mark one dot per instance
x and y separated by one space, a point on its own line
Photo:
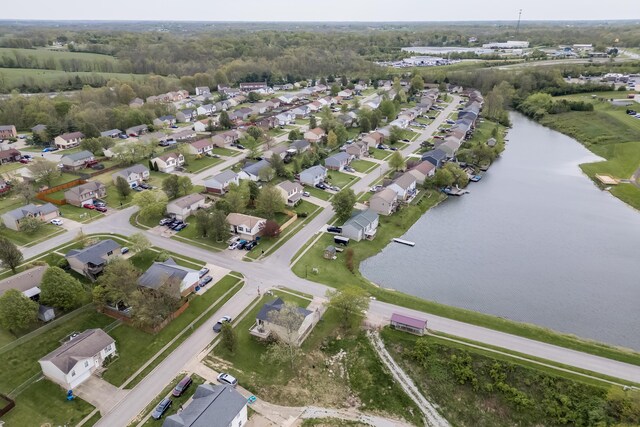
403 242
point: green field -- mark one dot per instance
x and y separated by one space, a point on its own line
49 54
16 77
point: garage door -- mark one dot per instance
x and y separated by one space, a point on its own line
75 382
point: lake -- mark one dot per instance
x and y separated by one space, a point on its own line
535 241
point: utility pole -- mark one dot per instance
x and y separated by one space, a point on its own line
518 26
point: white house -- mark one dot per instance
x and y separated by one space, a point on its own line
201 147
291 192
286 118
212 405
168 162
202 126
362 225
219 184
74 362
184 206
68 140
313 175
246 226
206 110
338 161
404 186
134 175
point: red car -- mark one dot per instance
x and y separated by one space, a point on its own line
89 207
101 209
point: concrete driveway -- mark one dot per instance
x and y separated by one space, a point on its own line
101 394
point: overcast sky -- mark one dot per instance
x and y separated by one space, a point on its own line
322 10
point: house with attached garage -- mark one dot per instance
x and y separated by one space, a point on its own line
90 261
246 226
288 98
185 206
203 90
225 138
68 140
134 175
268 325
291 192
404 186
358 149
84 194
201 147
435 157
301 112
222 105
44 213
313 175
212 406
168 162
186 115
184 134
286 118
219 184
206 110
373 139
314 135
362 225
137 130
113 133
164 121
74 361
170 273
205 125
252 171
279 150
346 94
383 202
300 145
423 171
8 131
241 114
338 161
10 155
77 160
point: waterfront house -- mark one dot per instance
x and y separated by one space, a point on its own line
362 225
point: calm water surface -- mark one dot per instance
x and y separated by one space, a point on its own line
534 241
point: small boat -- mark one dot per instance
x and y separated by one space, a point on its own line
403 242
475 178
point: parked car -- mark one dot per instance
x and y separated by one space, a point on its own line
101 209
203 271
99 203
451 122
124 250
161 408
56 221
241 243
252 244
380 147
97 166
240 146
218 326
334 188
144 185
165 221
89 206
375 188
138 188
182 386
25 161
321 185
334 229
349 169
48 149
180 227
306 194
205 280
405 140
227 379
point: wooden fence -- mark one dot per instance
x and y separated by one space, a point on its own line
9 406
127 319
42 195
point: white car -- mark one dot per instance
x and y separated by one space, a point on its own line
56 221
227 379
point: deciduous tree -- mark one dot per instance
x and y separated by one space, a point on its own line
138 242
396 161
224 121
270 202
30 225
16 310
229 339
25 190
153 203
350 302
60 290
44 171
289 319
10 255
122 188
220 229
343 203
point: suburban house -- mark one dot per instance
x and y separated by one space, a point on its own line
219 184
136 103
253 86
40 128
286 118
164 121
362 225
226 138
183 134
266 123
154 137
74 361
28 282
358 149
313 175
300 145
288 98
84 194
383 202
77 160
435 157
137 130
112 133
201 147
246 226
373 139
44 213
346 94
212 405
184 206
252 171
241 114
222 105
10 155
338 161
134 175
8 131
301 112
90 261
267 325
449 146
168 162
168 272
203 90
314 135
186 115
291 192
279 150
206 110
404 186
68 140
423 171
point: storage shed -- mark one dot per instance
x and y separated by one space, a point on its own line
408 324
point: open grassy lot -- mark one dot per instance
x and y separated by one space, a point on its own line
341 179
10 201
191 233
10 167
205 162
22 238
48 54
15 77
363 166
136 347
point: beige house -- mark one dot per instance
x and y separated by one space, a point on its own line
383 202
423 171
358 149
134 175
85 194
201 147
373 139
183 207
44 213
68 140
291 192
246 226
267 325
314 135
404 186
168 162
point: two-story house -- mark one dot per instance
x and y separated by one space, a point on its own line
219 184
184 206
362 225
404 186
201 147
358 149
68 140
246 226
163 273
338 161
168 162
314 135
134 175
291 192
84 194
90 261
76 161
7 131
313 175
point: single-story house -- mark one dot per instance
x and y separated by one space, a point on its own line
184 206
28 282
137 130
404 186
358 149
408 324
202 126
362 225
112 133
162 273
77 160
373 139
450 146
383 202
301 112
422 171
252 171
288 98
219 184
10 155
68 140
183 134
84 194
435 157
168 162
226 138
90 261
164 121
338 161
279 150
8 131
291 192
241 114
74 361
200 147
44 213
134 175
267 325
300 145
314 135
212 406
313 175
246 226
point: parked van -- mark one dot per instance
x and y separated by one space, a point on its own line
182 386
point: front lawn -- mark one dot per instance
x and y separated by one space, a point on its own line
143 260
363 166
226 152
136 347
22 238
79 214
378 154
191 233
10 167
10 201
341 179
316 192
205 162
114 200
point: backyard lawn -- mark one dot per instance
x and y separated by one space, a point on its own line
363 166
10 201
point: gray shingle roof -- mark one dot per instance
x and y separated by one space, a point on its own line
212 406
85 345
80 155
223 176
111 132
94 254
23 281
139 169
32 209
84 188
300 144
255 168
159 272
277 305
362 219
188 200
